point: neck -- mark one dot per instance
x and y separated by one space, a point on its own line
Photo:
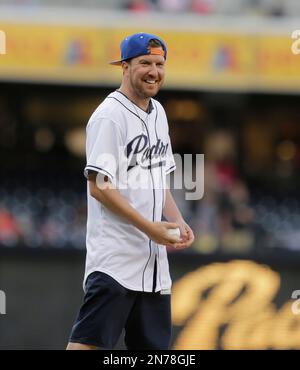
142 103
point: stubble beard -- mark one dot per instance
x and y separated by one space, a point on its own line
142 93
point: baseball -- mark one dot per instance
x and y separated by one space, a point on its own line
174 232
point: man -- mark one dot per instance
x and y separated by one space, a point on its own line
127 283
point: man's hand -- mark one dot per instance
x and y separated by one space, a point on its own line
186 234
158 232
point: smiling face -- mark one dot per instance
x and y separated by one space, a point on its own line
144 75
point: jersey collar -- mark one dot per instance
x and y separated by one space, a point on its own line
132 106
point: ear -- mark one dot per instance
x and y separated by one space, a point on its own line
125 66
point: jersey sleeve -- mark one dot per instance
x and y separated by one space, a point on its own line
103 143
170 161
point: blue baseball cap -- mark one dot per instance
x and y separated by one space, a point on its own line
138 44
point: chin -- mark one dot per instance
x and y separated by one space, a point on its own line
150 93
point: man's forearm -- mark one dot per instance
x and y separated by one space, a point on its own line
171 211
116 203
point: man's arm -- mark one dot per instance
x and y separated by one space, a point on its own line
110 197
172 214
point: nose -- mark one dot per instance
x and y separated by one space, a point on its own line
153 71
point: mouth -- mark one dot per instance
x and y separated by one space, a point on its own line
151 82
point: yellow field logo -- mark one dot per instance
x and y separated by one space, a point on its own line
230 306
296 44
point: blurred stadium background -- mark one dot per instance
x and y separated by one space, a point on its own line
232 93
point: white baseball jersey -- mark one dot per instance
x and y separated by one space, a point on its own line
133 149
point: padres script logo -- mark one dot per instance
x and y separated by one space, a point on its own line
139 146
229 306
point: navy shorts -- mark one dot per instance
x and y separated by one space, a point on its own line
108 308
